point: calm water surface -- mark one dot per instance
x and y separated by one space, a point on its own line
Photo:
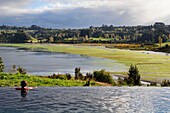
45 63
86 100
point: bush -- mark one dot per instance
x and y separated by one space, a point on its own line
88 76
68 76
166 46
59 76
3 76
103 76
153 84
21 70
121 81
165 83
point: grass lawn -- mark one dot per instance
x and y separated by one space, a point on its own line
152 67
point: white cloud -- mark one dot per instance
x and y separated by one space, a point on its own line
140 11
14 3
13 7
83 13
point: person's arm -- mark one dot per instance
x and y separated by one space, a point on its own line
25 88
18 88
28 88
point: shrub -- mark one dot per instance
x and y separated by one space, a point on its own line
3 76
121 81
165 83
103 76
59 76
88 76
21 70
153 84
68 76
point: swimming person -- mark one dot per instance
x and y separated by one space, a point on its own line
24 88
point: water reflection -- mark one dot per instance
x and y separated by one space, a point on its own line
48 63
23 93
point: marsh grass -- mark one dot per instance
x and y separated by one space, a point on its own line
151 66
126 46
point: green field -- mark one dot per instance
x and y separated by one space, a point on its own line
152 67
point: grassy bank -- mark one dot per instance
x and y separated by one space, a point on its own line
15 79
152 67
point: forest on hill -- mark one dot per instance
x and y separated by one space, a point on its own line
104 34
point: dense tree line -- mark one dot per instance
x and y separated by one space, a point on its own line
104 34
18 37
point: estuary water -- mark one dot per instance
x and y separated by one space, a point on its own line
46 63
86 100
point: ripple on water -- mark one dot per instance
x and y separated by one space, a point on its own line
86 99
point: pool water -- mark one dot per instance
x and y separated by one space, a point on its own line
86 100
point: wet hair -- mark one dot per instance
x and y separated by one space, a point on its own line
23 83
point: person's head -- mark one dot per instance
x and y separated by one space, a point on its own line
23 83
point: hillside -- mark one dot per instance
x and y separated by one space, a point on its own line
104 34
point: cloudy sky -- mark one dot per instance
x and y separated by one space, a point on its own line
83 13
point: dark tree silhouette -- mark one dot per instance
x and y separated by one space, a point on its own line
134 76
77 73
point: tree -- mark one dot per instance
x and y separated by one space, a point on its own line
1 65
166 46
160 41
51 39
78 74
134 76
35 27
